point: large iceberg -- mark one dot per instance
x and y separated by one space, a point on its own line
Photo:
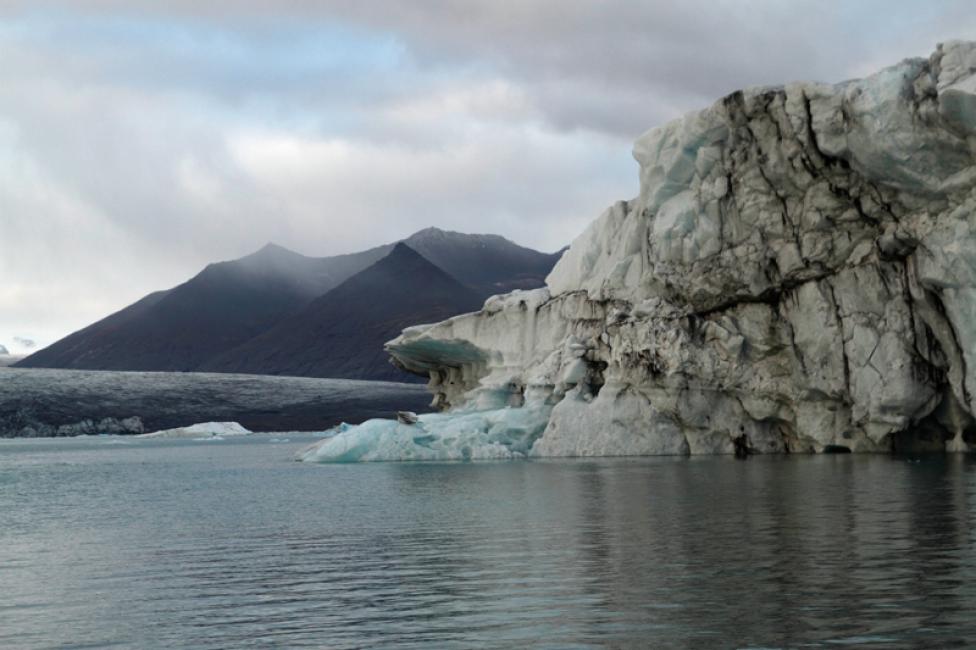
797 274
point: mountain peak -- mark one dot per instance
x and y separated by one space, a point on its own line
433 236
400 248
272 249
271 255
434 233
405 259
428 231
490 264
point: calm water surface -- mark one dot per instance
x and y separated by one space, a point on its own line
226 544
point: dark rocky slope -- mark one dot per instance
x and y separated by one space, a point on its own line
198 324
341 334
223 306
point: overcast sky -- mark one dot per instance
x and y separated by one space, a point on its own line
140 141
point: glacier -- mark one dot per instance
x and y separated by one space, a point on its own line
796 274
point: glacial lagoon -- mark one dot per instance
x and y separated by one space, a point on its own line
110 540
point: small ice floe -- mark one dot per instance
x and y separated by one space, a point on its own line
202 431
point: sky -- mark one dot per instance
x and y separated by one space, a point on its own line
140 141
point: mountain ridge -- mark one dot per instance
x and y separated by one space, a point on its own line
228 303
311 343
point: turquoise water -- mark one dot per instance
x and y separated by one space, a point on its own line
226 544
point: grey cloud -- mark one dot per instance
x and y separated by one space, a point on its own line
131 162
615 65
621 66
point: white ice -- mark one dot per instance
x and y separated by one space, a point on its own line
201 430
501 433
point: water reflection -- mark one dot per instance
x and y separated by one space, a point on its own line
228 547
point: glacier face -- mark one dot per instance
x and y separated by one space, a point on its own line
797 274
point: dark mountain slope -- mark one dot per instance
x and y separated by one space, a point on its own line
223 306
226 305
489 264
342 333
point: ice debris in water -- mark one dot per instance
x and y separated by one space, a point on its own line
203 430
500 433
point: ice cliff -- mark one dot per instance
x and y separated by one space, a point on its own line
797 274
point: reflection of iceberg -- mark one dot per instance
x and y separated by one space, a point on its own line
204 430
499 433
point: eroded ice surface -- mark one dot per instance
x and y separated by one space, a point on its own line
796 274
501 433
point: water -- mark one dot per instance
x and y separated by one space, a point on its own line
106 541
42 401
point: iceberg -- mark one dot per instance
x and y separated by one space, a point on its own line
203 430
796 274
503 433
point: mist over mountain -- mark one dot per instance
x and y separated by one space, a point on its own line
341 334
223 306
225 318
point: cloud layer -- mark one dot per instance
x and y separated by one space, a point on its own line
139 143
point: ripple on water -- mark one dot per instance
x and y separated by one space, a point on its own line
234 545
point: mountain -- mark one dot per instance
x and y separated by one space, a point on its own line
198 324
489 264
223 306
341 334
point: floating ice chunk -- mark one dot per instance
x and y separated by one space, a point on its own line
501 433
204 431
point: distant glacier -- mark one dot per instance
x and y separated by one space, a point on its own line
39 402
